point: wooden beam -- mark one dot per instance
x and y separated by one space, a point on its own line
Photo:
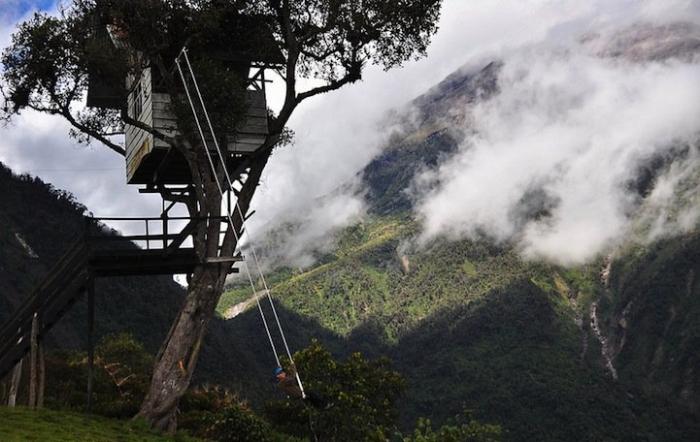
90 337
33 357
42 377
14 384
182 236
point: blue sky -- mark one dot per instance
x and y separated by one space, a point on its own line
11 10
14 11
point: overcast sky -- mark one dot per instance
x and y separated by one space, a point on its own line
338 133
335 133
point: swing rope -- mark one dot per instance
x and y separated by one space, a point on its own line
229 182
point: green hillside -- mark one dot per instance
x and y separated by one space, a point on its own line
651 314
38 224
472 326
20 425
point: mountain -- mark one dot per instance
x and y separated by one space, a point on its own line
38 223
605 351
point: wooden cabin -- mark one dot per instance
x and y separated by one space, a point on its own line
152 161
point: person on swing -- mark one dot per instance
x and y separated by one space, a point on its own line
287 382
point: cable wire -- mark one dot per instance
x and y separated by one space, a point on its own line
228 215
245 231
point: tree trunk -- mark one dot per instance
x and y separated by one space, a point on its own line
178 355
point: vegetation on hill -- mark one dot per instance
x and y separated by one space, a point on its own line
354 399
473 326
651 315
21 424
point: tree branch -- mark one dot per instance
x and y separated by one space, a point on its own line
333 85
91 132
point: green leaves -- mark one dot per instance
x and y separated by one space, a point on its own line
350 400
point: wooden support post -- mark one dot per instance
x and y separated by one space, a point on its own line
90 337
14 384
33 357
42 377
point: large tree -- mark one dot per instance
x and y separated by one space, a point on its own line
47 66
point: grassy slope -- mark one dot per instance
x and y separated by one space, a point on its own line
473 326
21 424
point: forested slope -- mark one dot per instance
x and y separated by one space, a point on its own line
38 223
474 326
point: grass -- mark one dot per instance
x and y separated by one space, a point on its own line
22 424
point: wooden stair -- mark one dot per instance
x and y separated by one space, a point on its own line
73 274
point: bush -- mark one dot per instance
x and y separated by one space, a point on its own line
120 377
355 399
233 423
471 431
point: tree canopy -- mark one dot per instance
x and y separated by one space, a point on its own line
49 62
52 63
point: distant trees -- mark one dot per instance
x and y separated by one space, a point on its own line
465 430
46 69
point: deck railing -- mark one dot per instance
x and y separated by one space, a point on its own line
161 232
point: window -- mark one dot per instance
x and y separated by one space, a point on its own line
138 102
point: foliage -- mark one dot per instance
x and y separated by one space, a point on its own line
48 64
121 376
21 424
350 400
471 431
231 423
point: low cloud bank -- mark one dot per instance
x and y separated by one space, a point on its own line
584 145
590 140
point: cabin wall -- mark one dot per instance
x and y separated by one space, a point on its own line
139 143
154 110
164 119
249 137
252 132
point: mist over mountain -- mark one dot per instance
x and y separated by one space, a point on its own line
559 148
528 243
520 240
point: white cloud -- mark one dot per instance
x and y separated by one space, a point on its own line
574 127
339 133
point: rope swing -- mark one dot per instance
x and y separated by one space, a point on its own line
230 188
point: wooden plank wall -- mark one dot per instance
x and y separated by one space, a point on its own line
251 134
156 112
139 143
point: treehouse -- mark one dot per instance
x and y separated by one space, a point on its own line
246 49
